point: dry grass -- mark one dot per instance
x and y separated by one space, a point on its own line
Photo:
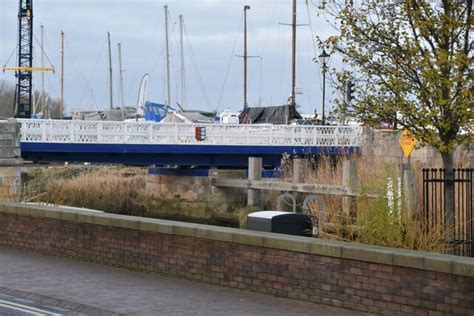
378 221
106 189
120 190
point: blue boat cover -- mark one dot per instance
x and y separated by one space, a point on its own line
155 111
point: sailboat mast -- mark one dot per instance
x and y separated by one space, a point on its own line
122 99
183 75
42 73
111 91
61 109
293 70
247 7
168 101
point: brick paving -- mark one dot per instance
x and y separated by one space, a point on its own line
95 289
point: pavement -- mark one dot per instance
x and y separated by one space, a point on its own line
59 286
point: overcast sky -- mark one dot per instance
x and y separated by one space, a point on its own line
212 31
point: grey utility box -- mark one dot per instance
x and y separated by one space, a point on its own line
280 222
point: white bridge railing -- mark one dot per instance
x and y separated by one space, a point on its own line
88 132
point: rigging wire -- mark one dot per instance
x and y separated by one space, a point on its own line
176 70
230 62
315 47
93 70
282 58
42 50
262 53
11 55
82 80
196 69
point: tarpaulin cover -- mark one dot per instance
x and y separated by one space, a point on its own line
155 111
283 114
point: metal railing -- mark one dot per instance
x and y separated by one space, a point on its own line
61 131
434 205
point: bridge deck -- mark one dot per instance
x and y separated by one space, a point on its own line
176 144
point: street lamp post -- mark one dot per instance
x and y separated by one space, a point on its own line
323 59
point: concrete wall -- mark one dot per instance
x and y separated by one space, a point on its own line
383 145
192 197
10 159
364 278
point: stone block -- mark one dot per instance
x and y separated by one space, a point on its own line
9 127
69 215
86 217
408 259
10 162
185 229
10 208
215 233
52 214
8 136
326 248
438 263
251 238
10 152
463 266
10 143
30 210
367 253
288 242
156 226
122 221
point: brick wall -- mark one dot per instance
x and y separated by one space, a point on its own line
364 278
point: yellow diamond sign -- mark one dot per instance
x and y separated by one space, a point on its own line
407 142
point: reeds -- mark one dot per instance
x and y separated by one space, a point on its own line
107 189
380 219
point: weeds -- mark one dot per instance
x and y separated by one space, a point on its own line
383 220
111 190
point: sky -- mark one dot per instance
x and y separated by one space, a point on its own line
214 35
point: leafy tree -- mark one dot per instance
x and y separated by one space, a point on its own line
412 61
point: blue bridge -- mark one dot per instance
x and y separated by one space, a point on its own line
182 145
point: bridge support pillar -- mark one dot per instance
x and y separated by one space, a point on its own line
10 160
300 169
255 173
349 180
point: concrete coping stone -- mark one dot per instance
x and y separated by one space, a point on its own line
353 251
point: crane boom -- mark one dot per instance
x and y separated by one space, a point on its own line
29 69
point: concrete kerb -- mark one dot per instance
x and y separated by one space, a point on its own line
214 233
409 259
439 263
374 254
289 243
156 226
367 253
250 238
463 266
327 248
185 229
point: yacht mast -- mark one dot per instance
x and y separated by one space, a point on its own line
247 7
111 91
168 101
122 99
293 70
183 74
42 73
61 109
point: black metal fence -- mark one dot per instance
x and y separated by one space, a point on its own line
434 205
